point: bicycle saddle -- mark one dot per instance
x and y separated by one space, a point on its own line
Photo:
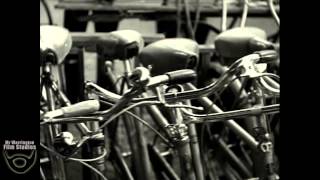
55 39
169 55
121 44
238 42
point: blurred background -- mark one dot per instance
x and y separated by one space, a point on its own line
145 27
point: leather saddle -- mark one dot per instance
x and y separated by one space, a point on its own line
56 40
121 44
169 55
238 42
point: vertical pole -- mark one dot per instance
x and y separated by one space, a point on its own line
182 145
195 151
144 170
51 131
263 156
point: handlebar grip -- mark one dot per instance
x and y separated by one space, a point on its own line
181 76
267 56
72 120
81 108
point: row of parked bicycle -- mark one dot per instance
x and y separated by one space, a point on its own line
157 120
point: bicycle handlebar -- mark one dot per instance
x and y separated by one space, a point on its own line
173 77
237 67
223 116
181 76
78 109
264 56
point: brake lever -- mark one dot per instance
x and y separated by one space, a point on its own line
140 77
252 70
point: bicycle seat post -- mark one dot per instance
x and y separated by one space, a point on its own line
51 130
53 50
141 142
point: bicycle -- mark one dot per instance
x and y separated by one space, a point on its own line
53 101
141 81
113 97
156 62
